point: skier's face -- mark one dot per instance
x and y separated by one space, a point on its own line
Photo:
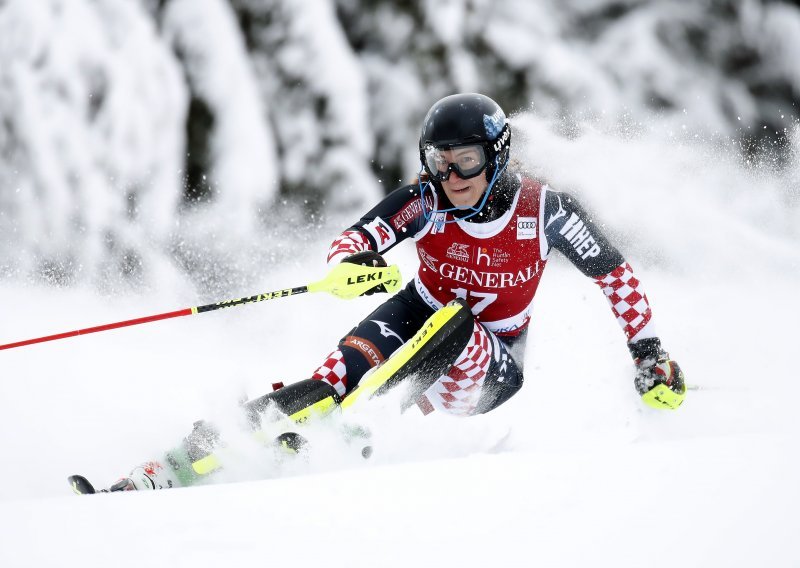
464 192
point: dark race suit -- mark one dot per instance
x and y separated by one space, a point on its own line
496 266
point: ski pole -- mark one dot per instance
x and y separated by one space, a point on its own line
343 281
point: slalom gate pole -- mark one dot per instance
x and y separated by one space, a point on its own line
343 281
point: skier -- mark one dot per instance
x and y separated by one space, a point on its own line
483 233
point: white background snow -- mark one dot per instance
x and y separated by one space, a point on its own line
573 471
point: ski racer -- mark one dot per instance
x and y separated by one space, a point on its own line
483 233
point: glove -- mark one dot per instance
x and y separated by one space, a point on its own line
659 379
368 258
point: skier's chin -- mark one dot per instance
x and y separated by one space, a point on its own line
463 199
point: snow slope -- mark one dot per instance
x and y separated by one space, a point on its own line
573 471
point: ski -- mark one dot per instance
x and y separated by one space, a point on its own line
80 485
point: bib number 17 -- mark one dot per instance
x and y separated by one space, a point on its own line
484 298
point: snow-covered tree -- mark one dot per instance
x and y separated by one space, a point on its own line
164 128
91 138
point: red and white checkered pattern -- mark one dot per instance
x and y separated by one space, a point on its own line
334 372
458 391
349 242
627 298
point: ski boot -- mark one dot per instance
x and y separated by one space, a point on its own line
148 476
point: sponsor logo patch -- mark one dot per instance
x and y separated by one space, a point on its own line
459 252
526 228
412 210
482 256
429 261
578 235
491 256
383 234
366 348
386 331
494 123
482 279
503 139
500 257
438 223
558 214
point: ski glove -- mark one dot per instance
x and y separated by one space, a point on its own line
368 258
659 380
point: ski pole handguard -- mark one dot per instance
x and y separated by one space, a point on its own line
349 281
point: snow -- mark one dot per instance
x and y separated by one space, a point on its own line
574 470
553 508
93 105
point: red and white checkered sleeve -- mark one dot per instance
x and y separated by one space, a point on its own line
628 302
349 242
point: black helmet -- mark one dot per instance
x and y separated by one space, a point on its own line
462 120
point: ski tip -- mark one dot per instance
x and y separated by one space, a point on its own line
80 485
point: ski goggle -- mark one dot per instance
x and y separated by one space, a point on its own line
467 161
429 213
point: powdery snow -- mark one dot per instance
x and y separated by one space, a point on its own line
573 471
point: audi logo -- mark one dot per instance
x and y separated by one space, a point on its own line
526 224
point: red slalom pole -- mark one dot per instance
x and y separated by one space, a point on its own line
345 281
167 315
137 321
